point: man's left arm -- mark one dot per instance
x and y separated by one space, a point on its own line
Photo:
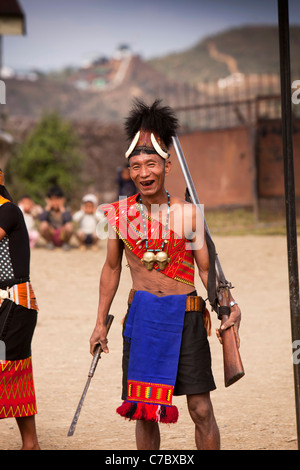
201 257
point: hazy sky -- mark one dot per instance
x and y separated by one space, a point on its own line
69 32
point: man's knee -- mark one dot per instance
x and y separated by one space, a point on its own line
44 228
200 407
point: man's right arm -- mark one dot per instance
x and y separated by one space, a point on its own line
109 282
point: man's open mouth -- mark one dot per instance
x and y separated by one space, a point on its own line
147 183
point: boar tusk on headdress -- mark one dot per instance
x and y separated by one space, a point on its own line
150 129
132 145
157 147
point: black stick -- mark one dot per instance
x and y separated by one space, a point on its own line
291 225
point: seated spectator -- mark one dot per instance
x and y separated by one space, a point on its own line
56 225
126 185
87 219
30 212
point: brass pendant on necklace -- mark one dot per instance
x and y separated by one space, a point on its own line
160 257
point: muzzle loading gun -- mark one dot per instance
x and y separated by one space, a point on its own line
233 367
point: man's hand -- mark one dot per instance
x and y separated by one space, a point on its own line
234 320
99 336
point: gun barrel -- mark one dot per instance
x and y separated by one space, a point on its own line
195 199
233 367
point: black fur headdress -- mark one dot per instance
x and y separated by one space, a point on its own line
156 119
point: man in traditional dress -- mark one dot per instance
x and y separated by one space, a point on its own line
165 346
18 317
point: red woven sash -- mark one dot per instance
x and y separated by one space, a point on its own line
125 218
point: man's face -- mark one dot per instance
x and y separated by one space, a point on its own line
27 204
148 172
56 203
89 207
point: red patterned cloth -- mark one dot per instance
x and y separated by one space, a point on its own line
125 218
17 394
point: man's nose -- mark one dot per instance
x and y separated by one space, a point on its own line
144 171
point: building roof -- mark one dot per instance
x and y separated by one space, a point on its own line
11 8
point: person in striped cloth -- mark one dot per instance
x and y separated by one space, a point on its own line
18 317
165 346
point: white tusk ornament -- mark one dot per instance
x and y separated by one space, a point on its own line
132 145
157 147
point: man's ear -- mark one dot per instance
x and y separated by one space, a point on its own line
168 165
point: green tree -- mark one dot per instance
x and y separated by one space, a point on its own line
50 155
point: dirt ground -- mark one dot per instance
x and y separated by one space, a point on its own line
258 412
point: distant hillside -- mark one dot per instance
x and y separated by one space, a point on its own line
34 98
249 50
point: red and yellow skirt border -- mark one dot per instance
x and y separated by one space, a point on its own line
149 402
17 393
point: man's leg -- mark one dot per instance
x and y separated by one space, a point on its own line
207 434
46 231
147 435
66 232
28 433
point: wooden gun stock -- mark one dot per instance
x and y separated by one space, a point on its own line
233 367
